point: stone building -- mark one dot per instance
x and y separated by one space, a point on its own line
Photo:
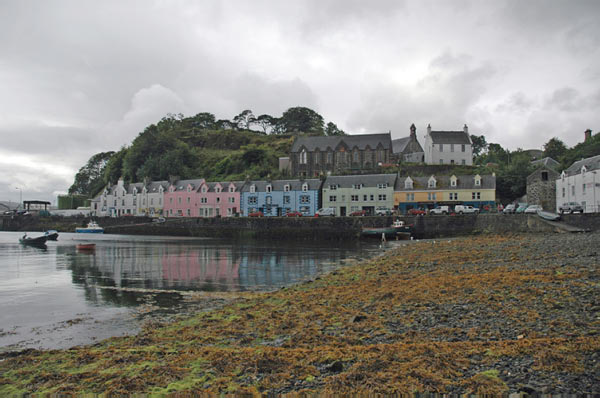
408 149
312 156
541 184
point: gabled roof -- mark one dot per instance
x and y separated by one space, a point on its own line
278 185
399 144
361 141
138 185
153 186
450 137
181 185
443 183
590 164
224 185
546 162
370 180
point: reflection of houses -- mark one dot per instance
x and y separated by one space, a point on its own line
260 269
427 192
541 184
279 197
408 149
348 194
311 156
580 183
448 147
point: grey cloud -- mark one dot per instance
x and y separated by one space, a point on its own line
517 102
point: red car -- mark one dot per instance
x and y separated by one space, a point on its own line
256 214
294 214
360 213
417 212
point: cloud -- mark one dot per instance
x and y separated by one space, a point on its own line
516 103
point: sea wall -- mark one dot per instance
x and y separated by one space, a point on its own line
308 228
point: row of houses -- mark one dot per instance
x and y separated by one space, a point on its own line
347 194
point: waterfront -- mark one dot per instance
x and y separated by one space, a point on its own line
59 297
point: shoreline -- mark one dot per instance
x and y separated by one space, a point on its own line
485 314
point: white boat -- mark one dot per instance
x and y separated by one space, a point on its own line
92 228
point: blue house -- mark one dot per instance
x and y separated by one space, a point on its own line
279 197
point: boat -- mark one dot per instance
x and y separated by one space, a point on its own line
40 241
86 247
51 234
546 215
92 228
397 230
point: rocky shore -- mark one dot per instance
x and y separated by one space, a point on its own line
487 315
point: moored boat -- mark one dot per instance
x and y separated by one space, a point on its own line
92 228
51 234
546 215
86 246
40 241
397 230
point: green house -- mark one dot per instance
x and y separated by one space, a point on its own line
356 193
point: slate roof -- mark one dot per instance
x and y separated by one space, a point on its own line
546 162
399 144
152 186
181 185
450 137
368 180
138 185
361 141
488 181
225 185
295 185
590 164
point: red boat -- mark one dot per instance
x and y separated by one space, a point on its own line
86 247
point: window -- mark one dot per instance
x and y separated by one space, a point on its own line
431 196
477 181
189 212
563 192
218 189
410 196
269 188
463 162
316 158
115 204
231 189
231 200
189 189
188 199
573 190
462 148
382 197
357 186
135 202
229 211
453 182
431 183
382 186
252 188
269 200
451 147
333 187
441 147
179 200
451 161
252 200
372 198
159 201
475 195
144 202
583 188
203 200
408 184
304 187
304 199
123 202
286 188
329 158
332 198
218 200
303 157
354 198
544 176
365 197
151 201
355 155
441 161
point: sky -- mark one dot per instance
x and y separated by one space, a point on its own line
84 76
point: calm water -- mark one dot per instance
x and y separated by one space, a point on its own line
61 296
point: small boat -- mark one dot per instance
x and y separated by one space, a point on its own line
92 228
40 241
546 215
86 247
51 234
397 230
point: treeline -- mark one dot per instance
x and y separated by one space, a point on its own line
201 145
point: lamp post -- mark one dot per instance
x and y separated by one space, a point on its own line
20 196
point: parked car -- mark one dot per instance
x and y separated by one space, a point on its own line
509 209
358 213
417 212
383 211
293 214
159 220
533 209
326 211
521 208
570 207
462 209
256 214
440 210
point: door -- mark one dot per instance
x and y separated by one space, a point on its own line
343 211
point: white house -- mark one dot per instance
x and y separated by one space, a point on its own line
580 183
448 147
151 200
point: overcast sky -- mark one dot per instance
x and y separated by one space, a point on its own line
80 77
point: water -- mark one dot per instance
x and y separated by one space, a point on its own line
62 296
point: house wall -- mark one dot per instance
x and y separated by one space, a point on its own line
343 199
180 203
280 206
422 198
150 204
434 155
224 203
570 189
542 192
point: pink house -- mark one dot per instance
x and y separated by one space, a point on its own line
219 199
181 199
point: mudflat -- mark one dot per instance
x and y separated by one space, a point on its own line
486 314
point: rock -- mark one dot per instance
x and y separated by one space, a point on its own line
358 318
335 367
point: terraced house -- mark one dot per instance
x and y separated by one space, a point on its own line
150 200
348 194
428 192
119 200
312 156
580 183
218 199
180 198
280 197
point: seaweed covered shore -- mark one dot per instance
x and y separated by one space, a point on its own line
486 314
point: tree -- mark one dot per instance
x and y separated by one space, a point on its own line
479 144
301 119
244 119
114 167
265 122
203 120
88 180
223 124
555 149
331 130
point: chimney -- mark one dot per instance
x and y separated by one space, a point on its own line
588 135
413 130
173 179
428 129
466 129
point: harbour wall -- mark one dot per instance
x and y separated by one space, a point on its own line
308 228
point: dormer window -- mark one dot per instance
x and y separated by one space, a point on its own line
432 183
583 170
204 189
333 187
477 181
304 187
269 188
232 189
189 188
357 186
252 188
453 181
218 189
172 189
563 175
286 188
408 183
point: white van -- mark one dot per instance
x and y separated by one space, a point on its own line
326 211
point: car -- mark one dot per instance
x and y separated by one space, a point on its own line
521 208
570 207
325 211
159 220
256 214
358 213
440 210
417 212
509 209
533 209
383 211
293 214
463 209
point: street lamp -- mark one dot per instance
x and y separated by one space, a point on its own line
20 196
